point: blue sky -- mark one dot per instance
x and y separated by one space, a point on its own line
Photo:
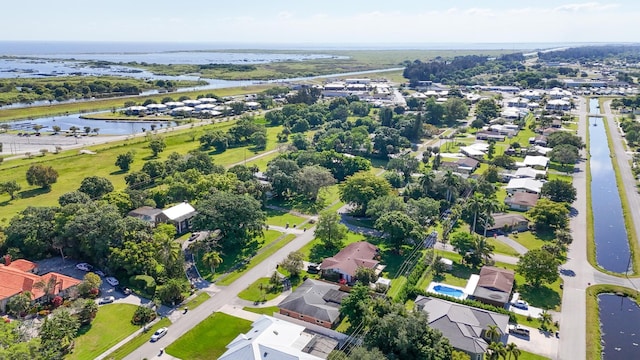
322 22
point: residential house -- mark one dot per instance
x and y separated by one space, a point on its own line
521 201
536 162
179 215
509 222
464 326
18 276
494 286
146 213
273 339
135 110
315 301
489 135
531 94
524 185
539 140
558 93
529 173
562 105
518 102
344 264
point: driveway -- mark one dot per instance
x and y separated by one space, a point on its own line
538 343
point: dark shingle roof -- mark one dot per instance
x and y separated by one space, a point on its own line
309 299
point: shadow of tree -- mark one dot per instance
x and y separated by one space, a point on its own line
542 296
33 192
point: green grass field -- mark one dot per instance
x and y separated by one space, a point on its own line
111 325
268 310
282 218
198 300
258 291
218 330
72 167
137 341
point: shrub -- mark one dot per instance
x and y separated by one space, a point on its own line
143 315
144 283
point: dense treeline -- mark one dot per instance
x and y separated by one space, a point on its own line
461 69
29 90
593 53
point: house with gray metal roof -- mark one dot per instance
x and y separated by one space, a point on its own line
463 325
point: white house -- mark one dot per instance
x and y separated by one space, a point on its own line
179 215
192 103
558 93
529 185
558 105
536 162
174 104
271 339
156 108
529 173
181 110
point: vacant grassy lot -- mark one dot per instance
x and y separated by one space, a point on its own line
111 325
218 330
258 291
282 218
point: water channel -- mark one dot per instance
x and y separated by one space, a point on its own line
612 244
619 319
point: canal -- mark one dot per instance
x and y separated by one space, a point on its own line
612 244
619 319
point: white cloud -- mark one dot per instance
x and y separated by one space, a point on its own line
589 6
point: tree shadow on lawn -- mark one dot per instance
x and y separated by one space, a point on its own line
543 296
83 330
118 172
33 192
301 204
544 234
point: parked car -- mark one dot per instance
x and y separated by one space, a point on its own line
125 290
159 334
107 300
518 330
313 268
84 267
112 281
520 304
99 273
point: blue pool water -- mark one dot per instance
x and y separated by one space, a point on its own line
445 290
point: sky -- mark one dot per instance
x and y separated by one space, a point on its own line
364 22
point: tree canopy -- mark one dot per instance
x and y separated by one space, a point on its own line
361 188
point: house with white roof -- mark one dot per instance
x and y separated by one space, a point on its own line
272 339
531 94
536 162
529 173
558 93
558 104
179 215
529 185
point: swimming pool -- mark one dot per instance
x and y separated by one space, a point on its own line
447 290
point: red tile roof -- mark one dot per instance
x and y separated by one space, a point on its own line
23 265
14 281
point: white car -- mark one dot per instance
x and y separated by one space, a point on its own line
520 304
112 281
84 267
158 334
107 300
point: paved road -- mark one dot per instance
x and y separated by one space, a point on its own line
226 295
577 273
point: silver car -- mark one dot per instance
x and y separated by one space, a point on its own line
159 334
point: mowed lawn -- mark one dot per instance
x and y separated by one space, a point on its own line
111 325
208 339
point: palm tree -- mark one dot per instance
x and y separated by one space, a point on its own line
492 333
496 351
483 249
213 260
491 205
427 180
512 349
450 181
545 320
48 287
475 204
